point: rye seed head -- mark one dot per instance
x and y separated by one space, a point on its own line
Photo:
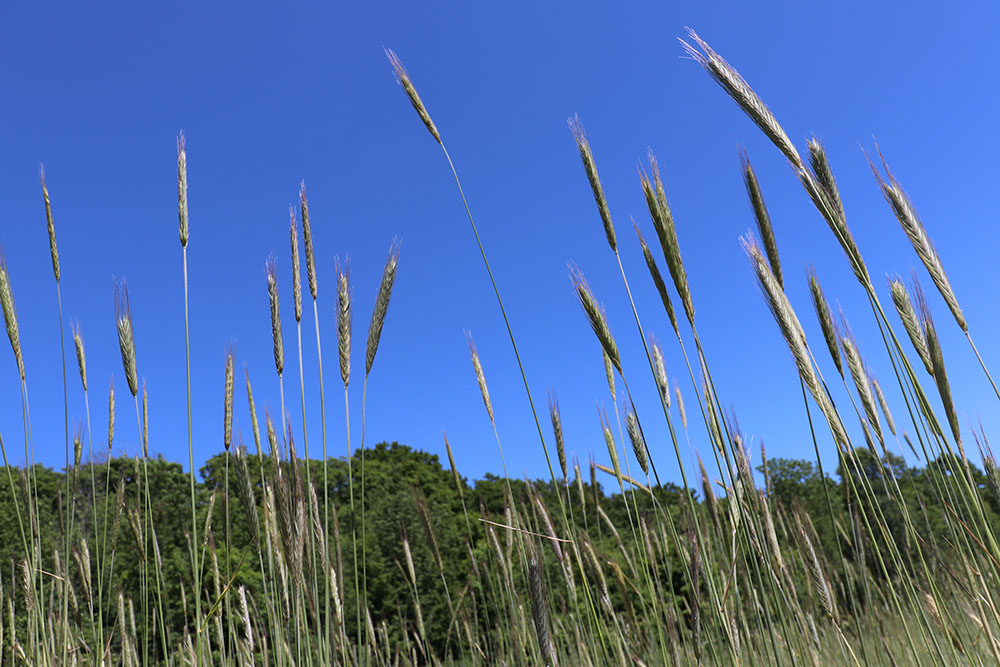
307 235
343 318
583 145
52 229
272 292
227 421
826 322
761 215
404 80
182 189
10 313
81 358
381 305
293 234
480 377
596 316
126 336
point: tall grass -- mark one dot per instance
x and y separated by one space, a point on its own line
889 566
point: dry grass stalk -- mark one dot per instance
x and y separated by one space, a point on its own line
860 376
761 215
344 311
556 418
680 404
885 406
454 468
540 611
182 189
902 207
227 421
791 330
411 92
638 442
824 174
830 333
111 413
272 292
145 419
293 234
53 250
480 377
381 305
908 315
583 145
81 357
10 313
609 372
660 371
666 232
937 363
244 487
126 336
596 316
609 440
307 236
654 272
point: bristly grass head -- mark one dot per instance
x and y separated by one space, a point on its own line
10 313
344 310
826 322
293 234
480 376
824 174
761 215
182 189
556 418
654 272
411 92
272 292
307 235
587 155
381 305
882 402
908 315
145 419
227 438
680 404
860 375
742 94
126 336
111 412
638 442
81 357
937 363
596 316
660 370
52 229
903 208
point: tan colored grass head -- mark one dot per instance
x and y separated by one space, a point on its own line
587 155
307 236
293 234
126 336
596 316
381 305
480 376
10 313
182 189
227 420
404 80
53 249
272 292
81 357
344 310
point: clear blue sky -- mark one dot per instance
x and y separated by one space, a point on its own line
271 95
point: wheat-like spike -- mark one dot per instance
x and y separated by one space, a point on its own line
111 413
293 234
596 316
81 357
680 403
908 315
381 305
344 311
126 336
654 272
791 330
761 215
182 189
903 208
638 442
557 428
10 313
145 419
882 402
860 376
227 421
454 468
824 174
660 371
816 574
742 94
666 232
609 440
77 445
244 488
937 363
272 292
404 80
307 235
540 611
480 377
587 155
609 372
826 322
52 229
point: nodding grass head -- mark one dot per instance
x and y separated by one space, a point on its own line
272 292
54 251
307 235
381 305
293 234
937 363
556 418
761 215
824 174
404 80
81 357
638 442
182 189
227 437
344 311
10 313
882 402
480 377
908 219
908 315
826 322
660 370
860 376
596 316
609 372
587 155
126 336
654 272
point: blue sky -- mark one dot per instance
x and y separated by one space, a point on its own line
270 95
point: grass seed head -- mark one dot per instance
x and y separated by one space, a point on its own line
596 316
556 418
126 336
937 363
583 145
666 232
761 215
660 371
111 413
81 357
52 229
860 376
885 406
826 322
272 292
145 419
908 315
10 313
638 442
381 305
680 404
480 377
182 189
307 235
293 234
404 80
343 318
824 174
654 272
227 420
